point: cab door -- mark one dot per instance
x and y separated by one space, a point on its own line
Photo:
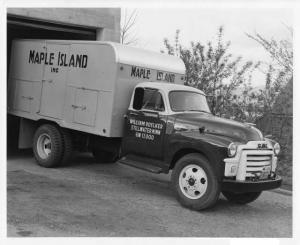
145 124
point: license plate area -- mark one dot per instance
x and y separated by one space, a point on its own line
265 173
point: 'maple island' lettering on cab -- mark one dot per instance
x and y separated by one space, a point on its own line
144 73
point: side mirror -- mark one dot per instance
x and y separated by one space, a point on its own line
138 98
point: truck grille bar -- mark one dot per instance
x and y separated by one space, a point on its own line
256 164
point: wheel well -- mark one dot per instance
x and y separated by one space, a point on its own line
44 121
179 154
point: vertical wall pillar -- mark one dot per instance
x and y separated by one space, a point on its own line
99 34
105 34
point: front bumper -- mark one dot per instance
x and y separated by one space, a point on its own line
250 186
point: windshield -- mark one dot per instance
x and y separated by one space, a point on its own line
188 101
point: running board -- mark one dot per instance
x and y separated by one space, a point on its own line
141 165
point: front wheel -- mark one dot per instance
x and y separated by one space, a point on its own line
241 198
195 183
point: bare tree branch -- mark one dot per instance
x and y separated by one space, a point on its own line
127 36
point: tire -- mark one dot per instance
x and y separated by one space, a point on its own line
104 156
48 146
67 146
241 198
195 183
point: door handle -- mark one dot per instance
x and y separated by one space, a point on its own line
27 97
83 107
49 81
132 113
180 127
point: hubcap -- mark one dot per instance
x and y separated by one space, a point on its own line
44 146
193 181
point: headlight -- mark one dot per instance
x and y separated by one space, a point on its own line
232 149
276 149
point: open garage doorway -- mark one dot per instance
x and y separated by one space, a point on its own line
29 28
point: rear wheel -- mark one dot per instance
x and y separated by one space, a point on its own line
104 156
241 198
48 146
195 183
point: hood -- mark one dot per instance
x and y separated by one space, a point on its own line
229 130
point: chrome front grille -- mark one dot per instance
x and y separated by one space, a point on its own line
256 164
251 162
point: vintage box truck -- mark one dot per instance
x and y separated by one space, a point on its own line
130 105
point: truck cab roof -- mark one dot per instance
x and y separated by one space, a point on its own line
166 87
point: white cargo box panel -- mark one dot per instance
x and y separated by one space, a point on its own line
82 85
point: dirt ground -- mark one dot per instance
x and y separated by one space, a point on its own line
90 199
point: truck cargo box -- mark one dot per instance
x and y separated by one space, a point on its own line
82 85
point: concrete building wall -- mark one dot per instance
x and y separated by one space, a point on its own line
106 21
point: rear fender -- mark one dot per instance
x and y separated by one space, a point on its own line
26 133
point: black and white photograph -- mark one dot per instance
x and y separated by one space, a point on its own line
149 121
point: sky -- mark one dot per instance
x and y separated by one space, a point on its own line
201 24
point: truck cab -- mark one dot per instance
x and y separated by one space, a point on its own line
169 127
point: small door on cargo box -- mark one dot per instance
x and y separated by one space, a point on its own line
23 96
85 106
54 81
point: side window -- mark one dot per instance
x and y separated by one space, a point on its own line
153 100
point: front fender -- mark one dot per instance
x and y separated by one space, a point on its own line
213 149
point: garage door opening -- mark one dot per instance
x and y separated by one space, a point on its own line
28 28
